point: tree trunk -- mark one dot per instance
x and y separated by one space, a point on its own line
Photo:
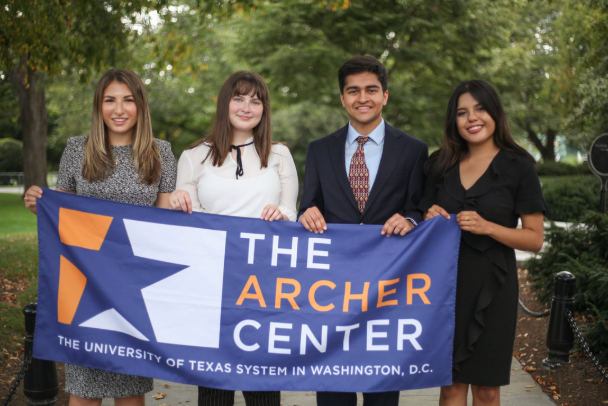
551 134
29 86
547 151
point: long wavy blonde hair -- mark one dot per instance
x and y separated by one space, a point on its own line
98 161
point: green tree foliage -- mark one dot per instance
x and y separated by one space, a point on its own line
536 74
42 37
183 64
9 111
11 155
552 77
427 47
538 54
179 50
590 117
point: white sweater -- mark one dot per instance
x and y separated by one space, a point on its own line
216 189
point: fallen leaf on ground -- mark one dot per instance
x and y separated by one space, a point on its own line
529 369
530 386
159 396
167 386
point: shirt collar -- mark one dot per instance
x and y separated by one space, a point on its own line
377 134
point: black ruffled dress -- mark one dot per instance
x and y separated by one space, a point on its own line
487 287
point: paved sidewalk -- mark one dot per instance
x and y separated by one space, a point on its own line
523 391
11 189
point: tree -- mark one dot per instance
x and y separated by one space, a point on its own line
539 73
427 47
590 118
41 38
9 111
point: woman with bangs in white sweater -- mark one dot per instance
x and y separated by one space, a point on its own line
237 170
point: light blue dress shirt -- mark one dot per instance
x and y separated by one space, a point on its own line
372 148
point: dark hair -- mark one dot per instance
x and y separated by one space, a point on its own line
360 64
241 83
454 148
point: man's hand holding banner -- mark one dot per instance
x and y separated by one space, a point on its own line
238 303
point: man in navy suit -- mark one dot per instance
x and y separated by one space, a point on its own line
365 173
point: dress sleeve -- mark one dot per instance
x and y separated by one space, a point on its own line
169 170
529 197
289 183
185 179
429 196
67 167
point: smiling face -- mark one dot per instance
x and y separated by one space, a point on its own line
474 123
245 113
363 99
119 112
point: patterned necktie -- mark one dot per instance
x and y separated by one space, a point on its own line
358 175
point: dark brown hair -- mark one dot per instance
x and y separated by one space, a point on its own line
454 148
98 162
241 83
360 64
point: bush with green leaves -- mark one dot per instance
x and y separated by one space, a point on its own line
11 155
562 169
569 198
582 250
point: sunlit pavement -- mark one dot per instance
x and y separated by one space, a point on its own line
523 391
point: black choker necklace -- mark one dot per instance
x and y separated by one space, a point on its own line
239 162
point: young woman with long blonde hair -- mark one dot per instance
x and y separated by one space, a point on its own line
121 161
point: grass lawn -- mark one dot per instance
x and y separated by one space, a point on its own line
18 268
14 217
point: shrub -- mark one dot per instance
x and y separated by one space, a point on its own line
11 155
583 251
569 198
562 169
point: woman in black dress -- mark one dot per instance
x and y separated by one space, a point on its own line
487 180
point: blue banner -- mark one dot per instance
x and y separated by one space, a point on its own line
244 304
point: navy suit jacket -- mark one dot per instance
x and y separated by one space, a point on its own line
398 186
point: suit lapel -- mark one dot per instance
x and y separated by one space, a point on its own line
391 152
337 154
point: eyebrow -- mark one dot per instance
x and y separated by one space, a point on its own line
113 97
367 87
464 108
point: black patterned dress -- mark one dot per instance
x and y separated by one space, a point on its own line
122 186
487 288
